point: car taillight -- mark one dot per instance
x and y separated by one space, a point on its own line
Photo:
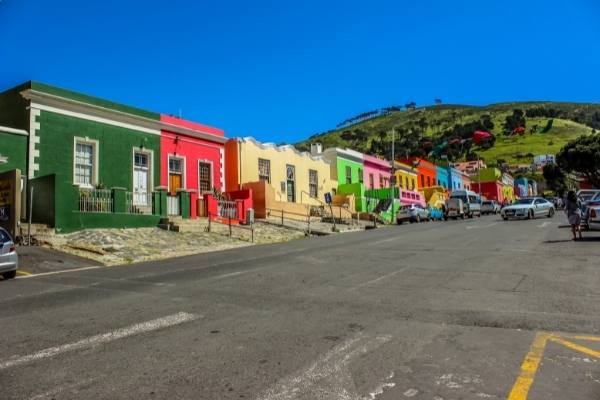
593 213
12 249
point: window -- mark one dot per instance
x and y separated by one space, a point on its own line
85 163
204 174
381 184
371 181
360 175
422 180
264 170
313 183
348 175
428 181
175 166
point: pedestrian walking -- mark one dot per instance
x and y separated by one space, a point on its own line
573 211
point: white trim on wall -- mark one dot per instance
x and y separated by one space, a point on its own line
95 118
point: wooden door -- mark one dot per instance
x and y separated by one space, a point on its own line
174 183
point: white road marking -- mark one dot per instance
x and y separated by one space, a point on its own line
328 377
481 226
545 224
96 340
62 271
378 279
380 388
229 275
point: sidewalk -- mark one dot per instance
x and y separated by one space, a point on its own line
126 246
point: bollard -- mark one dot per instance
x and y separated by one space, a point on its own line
282 217
252 231
229 226
209 222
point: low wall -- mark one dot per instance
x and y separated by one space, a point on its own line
80 220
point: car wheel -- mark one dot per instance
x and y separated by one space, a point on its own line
505 218
418 219
399 222
9 274
462 216
551 213
530 214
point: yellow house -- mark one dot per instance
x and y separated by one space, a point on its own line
279 174
406 176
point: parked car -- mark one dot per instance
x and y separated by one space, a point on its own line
490 207
455 208
587 194
471 200
586 206
593 217
435 214
528 207
412 213
9 262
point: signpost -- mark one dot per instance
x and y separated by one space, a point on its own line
329 200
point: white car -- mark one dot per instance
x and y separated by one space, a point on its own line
412 213
490 207
594 217
9 262
528 207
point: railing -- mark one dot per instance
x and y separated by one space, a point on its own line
226 221
173 205
227 209
96 200
138 203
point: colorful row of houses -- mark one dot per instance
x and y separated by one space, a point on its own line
88 162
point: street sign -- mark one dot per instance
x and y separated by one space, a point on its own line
328 198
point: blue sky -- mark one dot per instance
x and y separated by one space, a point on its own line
283 70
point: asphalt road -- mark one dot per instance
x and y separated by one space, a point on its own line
470 309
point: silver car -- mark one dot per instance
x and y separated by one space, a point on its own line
412 213
490 207
9 262
528 207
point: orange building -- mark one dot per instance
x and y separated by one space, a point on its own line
426 171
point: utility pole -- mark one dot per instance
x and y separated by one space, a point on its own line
479 175
393 177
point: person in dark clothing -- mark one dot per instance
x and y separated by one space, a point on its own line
573 211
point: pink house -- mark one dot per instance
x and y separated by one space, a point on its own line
376 172
192 162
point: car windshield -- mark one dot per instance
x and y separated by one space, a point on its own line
524 201
487 203
458 197
4 236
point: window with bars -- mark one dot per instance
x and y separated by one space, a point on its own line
313 183
360 175
204 172
84 164
381 184
175 166
264 170
348 175
371 181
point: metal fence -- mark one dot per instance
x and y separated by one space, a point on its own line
138 203
96 201
173 205
227 209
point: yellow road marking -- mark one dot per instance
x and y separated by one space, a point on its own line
529 367
531 363
23 273
576 347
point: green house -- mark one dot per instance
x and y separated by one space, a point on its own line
89 162
348 169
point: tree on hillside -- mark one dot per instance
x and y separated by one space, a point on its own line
514 121
582 155
555 178
437 101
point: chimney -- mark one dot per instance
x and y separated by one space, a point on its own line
316 149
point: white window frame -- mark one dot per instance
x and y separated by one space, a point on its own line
183 169
268 176
212 172
316 183
95 162
150 154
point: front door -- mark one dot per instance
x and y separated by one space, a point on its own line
140 179
291 183
175 175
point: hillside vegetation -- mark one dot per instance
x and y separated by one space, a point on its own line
445 131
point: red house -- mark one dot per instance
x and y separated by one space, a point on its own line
192 162
426 171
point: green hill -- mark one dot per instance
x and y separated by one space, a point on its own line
444 131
